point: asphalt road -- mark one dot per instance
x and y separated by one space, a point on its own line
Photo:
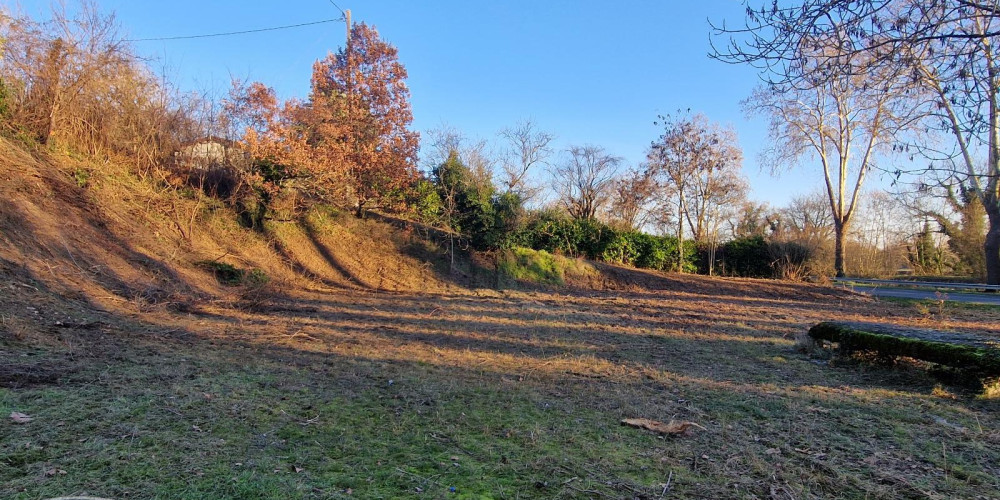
908 293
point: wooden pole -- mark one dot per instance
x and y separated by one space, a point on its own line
347 17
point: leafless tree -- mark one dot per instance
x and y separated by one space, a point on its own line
631 195
697 164
439 144
54 65
583 181
882 228
807 220
446 141
527 149
948 48
843 123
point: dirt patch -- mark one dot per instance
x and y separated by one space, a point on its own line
23 375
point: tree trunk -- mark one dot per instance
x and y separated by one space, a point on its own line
496 270
680 236
991 246
360 212
451 253
840 230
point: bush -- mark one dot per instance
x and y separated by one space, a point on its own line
425 202
621 250
748 257
656 252
559 234
790 259
5 104
755 257
539 266
217 181
230 275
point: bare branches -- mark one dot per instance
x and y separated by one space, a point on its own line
631 194
698 163
72 79
583 181
527 148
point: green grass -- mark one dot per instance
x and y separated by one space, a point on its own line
539 266
517 395
230 275
204 428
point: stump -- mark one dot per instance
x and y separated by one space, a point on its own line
975 354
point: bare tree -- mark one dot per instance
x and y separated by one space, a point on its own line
631 194
481 161
880 232
752 218
842 122
697 163
949 48
439 145
527 149
807 220
56 65
477 156
583 181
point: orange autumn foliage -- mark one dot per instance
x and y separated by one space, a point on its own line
359 106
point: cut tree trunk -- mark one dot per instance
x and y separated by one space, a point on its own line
991 246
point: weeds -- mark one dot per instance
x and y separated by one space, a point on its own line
230 275
539 266
81 177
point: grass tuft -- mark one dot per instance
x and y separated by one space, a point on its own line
541 267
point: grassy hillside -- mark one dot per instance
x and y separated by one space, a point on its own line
99 231
161 350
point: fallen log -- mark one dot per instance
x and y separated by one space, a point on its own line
976 354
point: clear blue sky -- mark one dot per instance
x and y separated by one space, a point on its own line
589 72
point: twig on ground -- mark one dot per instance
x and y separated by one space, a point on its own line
425 479
666 487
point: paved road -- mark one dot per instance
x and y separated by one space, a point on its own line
908 293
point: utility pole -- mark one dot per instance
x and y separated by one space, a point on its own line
347 17
350 107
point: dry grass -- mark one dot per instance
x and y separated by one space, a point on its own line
524 391
368 372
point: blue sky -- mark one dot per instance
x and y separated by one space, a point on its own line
589 72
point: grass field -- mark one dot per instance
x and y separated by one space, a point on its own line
483 394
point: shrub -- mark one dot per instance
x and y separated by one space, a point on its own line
230 275
425 202
790 259
755 257
560 234
621 250
217 181
656 252
539 266
748 257
81 176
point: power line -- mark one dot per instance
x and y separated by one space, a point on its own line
260 30
338 7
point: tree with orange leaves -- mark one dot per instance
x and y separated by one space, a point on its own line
359 111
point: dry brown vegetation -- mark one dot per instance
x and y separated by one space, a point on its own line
363 368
